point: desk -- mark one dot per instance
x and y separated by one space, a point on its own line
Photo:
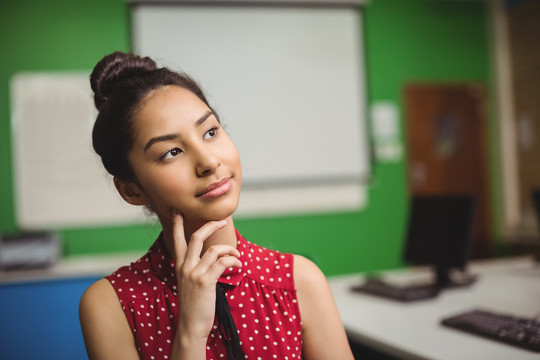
413 330
42 305
72 267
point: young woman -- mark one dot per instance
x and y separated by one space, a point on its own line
202 291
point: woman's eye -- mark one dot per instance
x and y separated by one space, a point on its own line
171 153
210 133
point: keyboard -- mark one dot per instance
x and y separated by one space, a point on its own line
509 329
401 293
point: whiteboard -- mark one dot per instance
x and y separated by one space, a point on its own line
287 83
59 182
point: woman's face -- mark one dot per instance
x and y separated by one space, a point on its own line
183 159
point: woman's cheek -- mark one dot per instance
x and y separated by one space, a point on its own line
170 185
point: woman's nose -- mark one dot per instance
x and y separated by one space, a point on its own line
206 162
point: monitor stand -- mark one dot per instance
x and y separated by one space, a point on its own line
445 281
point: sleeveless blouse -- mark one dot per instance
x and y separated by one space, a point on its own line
261 295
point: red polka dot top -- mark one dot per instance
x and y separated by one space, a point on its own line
261 295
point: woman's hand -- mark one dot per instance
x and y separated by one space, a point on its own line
197 277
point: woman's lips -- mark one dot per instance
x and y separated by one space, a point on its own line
216 189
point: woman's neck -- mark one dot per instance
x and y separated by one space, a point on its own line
223 236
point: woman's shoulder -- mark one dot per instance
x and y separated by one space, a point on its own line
99 302
104 326
101 289
307 274
323 333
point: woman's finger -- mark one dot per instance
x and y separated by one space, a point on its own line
195 246
180 245
215 252
219 266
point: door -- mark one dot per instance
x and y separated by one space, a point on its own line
446 148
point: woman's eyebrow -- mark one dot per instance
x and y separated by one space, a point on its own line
156 139
168 137
203 118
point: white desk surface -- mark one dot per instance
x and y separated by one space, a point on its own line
413 330
72 267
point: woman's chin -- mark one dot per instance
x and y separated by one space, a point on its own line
224 211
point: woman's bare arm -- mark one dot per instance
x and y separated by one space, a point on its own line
323 333
105 328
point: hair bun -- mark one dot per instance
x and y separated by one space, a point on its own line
110 71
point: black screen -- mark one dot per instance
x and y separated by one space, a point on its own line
439 231
536 203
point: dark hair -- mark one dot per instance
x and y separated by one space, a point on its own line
120 82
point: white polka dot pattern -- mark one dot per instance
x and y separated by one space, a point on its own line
261 295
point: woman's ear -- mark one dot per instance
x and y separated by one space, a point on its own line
130 192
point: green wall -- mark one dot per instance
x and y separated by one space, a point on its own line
405 41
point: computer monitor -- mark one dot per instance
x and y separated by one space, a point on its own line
535 245
535 195
439 233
